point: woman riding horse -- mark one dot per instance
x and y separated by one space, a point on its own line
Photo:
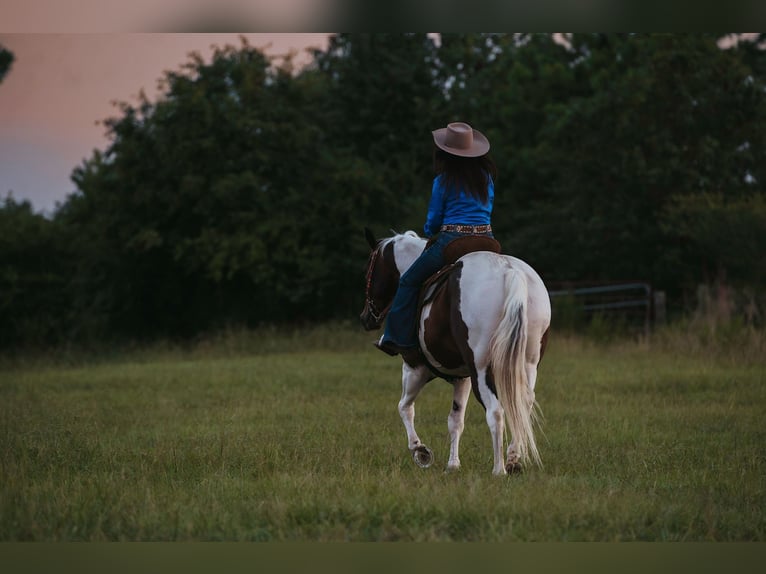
461 203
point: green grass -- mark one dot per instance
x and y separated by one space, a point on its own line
273 436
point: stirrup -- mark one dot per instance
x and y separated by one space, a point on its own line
393 349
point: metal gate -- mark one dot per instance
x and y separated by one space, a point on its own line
636 299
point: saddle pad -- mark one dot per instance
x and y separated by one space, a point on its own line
433 283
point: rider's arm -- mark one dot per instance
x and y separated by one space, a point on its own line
435 209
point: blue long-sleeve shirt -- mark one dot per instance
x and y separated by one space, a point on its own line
448 208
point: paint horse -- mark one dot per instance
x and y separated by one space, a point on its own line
485 329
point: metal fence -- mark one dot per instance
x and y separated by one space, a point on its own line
635 300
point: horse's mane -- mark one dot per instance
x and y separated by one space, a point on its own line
408 233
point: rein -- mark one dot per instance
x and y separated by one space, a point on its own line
377 316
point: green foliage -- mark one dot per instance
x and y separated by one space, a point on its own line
223 203
569 313
380 109
33 267
641 123
6 59
723 236
238 196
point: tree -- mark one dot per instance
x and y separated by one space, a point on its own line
223 202
239 195
646 118
381 110
6 59
33 267
722 237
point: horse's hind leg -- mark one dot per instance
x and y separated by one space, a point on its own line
413 380
456 420
494 416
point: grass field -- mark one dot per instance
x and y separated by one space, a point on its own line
295 437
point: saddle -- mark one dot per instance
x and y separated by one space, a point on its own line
454 251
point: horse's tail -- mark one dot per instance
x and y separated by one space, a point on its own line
508 356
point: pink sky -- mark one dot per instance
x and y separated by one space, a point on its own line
61 85
165 16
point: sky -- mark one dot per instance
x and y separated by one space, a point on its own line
61 86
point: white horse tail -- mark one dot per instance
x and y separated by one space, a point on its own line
508 357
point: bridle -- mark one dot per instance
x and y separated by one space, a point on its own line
377 315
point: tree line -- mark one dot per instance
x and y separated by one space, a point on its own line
238 196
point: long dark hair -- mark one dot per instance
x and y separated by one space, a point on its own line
468 173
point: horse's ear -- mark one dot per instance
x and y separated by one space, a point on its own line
370 236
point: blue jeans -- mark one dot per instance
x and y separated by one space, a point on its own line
401 326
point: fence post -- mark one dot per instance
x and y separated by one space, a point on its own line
659 308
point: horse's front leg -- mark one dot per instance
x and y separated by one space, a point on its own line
413 380
456 420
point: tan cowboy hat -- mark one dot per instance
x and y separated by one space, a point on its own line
459 138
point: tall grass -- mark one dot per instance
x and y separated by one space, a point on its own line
280 436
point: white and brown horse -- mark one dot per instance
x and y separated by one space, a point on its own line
485 329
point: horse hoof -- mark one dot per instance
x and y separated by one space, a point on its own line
422 456
513 468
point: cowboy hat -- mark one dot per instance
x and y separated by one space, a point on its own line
458 138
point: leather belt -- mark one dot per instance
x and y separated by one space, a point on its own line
474 229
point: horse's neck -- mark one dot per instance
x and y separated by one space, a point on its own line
406 250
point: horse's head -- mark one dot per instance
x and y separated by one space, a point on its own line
389 258
382 281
